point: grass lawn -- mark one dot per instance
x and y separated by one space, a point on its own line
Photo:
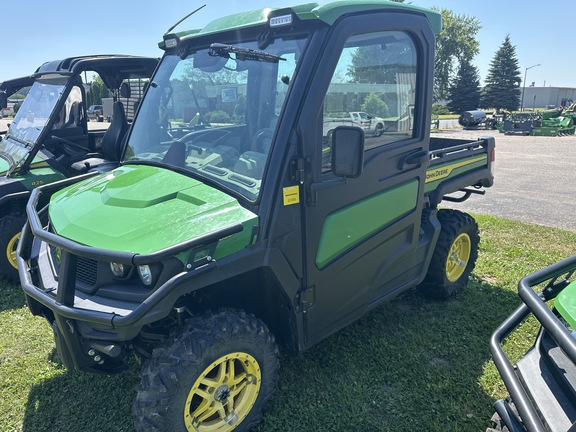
410 365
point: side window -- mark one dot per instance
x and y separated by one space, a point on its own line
374 88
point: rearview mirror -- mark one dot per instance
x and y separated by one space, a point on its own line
347 151
3 100
207 63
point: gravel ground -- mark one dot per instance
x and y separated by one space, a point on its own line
533 179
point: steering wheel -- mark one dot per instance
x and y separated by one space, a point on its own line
263 140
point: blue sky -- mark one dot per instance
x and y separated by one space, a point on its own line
36 31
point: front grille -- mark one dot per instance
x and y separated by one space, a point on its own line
87 271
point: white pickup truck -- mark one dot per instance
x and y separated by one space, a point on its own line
371 125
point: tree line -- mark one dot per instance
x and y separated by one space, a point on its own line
458 81
456 46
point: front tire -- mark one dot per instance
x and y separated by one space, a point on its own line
454 257
216 373
10 229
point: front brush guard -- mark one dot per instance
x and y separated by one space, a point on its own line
557 275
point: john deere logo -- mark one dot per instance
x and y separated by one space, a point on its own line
58 255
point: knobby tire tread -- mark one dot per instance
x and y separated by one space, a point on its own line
167 375
453 223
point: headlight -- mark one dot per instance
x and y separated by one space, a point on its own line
145 274
118 270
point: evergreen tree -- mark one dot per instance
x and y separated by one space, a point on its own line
502 89
464 90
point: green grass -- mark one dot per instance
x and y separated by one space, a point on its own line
410 365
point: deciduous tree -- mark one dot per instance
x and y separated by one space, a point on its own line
455 44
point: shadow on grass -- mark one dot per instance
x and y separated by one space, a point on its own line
11 295
409 365
76 401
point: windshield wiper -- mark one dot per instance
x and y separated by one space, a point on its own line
218 49
26 144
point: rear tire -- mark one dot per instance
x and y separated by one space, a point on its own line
217 372
454 257
10 229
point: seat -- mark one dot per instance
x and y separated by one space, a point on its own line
111 145
74 117
112 139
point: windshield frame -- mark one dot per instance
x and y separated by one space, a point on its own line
292 42
29 147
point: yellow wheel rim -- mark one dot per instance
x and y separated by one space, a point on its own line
11 250
224 394
458 257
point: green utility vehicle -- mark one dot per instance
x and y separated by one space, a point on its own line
232 224
49 138
542 385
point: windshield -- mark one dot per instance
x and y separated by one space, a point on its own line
214 112
35 111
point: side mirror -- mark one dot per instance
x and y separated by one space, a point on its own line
3 100
347 151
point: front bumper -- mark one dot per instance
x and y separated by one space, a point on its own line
90 327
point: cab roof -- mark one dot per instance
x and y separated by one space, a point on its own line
113 69
327 13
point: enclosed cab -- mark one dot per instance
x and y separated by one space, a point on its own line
234 223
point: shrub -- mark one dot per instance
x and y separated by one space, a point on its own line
438 109
375 106
218 116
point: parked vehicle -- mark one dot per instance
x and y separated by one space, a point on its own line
95 112
370 124
9 88
49 140
542 384
211 243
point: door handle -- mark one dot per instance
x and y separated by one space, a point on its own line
417 158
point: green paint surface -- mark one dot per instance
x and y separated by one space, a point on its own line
347 227
466 164
565 302
327 13
144 209
40 174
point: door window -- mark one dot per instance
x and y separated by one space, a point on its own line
373 88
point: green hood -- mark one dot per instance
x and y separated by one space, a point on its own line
143 209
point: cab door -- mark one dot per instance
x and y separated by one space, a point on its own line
362 234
